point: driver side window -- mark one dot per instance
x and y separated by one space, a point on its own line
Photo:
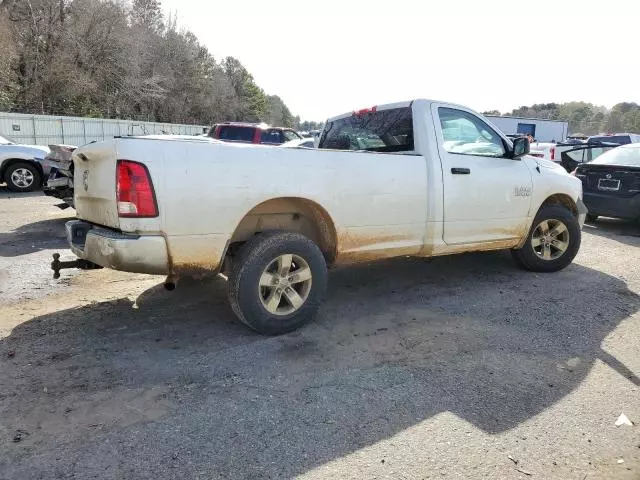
465 134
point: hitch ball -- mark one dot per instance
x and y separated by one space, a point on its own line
80 263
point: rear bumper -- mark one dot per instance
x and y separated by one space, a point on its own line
117 250
611 206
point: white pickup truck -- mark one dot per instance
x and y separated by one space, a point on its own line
419 178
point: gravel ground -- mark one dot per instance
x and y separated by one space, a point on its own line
459 367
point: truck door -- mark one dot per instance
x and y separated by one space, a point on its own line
487 196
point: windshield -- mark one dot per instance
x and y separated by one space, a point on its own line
376 131
5 141
619 156
290 135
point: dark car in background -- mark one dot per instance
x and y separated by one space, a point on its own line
611 183
617 138
253 133
583 153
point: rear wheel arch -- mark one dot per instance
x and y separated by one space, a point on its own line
289 214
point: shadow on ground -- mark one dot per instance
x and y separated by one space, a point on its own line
172 386
34 237
624 231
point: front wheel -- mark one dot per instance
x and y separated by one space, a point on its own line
553 241
22 177
278 282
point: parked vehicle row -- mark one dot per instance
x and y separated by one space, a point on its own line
615 138
570 155
417 178
25 168
258 133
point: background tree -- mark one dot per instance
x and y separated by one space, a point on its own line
585 118
121 60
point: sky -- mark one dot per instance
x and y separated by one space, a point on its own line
327 57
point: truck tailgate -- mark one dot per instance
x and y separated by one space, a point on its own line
95 183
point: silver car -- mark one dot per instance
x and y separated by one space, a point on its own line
20 165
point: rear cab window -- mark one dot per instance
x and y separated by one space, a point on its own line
236 133
389 130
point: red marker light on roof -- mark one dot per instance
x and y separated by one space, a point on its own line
364 111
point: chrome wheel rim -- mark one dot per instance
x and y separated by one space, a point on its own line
22 177
550 239
285 284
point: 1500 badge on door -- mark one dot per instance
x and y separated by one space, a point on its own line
522 192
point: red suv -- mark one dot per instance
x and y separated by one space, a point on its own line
252 133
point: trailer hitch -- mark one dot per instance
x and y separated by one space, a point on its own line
80 263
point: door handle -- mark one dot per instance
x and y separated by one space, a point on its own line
461 171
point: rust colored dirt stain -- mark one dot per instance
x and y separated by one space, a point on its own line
194 270
482 247
194 265
516 235
349 243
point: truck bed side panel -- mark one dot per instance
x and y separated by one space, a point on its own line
377 201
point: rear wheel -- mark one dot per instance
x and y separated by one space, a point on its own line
553 241
278 282
22 177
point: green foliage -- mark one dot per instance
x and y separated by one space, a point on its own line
585 118
307 126
120 60
278 113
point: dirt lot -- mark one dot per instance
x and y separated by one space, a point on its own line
455 367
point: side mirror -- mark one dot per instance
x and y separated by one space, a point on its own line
520 147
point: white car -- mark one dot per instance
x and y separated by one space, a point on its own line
300 143
20 166
418 178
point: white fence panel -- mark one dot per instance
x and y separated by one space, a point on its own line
47 129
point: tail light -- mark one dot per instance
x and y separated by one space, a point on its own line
134 190
553 153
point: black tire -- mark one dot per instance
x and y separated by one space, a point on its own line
246 295
591 218
36 178
527 258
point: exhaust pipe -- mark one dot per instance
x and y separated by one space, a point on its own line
170 283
